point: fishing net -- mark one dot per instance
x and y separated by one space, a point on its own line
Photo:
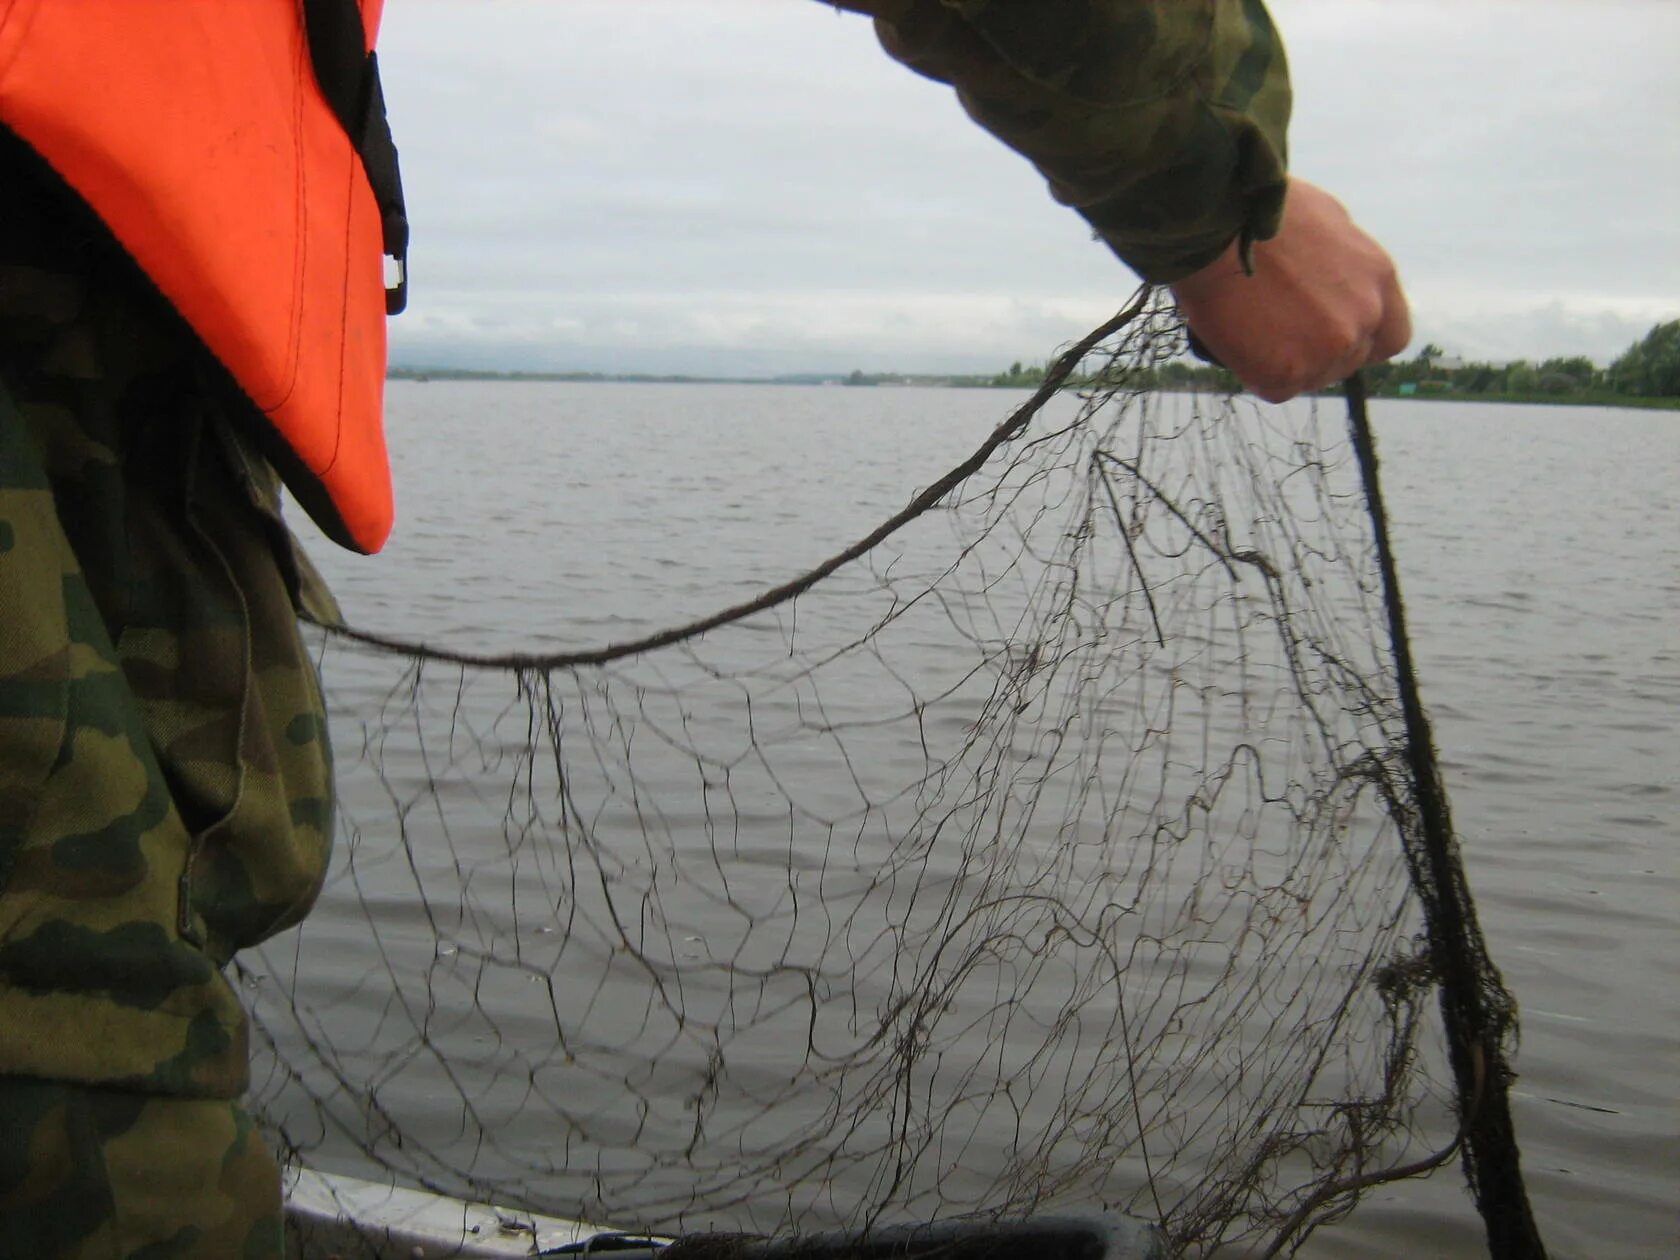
1059 845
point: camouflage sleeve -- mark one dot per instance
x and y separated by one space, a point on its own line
1161 121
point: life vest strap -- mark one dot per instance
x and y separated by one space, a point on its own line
349 77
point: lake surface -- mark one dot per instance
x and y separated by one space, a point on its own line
1540 552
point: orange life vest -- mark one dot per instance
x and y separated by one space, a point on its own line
198 132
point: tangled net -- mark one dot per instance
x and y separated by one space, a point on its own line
1057 846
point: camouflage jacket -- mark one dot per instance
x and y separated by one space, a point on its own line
165 777
1161 121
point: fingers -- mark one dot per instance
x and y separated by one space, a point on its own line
1384 332
1323 301
1282 358
1394 331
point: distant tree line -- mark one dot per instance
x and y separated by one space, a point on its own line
1648 369
1427 373
1175 375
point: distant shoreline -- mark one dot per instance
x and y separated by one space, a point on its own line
928 380
1595 399
936 381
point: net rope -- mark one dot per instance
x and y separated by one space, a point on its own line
1055 846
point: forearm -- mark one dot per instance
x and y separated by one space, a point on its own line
1161 121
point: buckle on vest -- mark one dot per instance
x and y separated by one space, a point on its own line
396 284
396 266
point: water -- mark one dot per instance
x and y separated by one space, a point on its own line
1540 550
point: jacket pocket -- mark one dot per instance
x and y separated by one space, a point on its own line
258 867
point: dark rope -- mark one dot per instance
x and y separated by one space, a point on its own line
1474 1003
922 503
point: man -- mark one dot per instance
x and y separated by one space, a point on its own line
190 298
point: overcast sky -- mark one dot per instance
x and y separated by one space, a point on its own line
751 186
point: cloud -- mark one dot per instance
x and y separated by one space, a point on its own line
751 185
1477 327
1515 155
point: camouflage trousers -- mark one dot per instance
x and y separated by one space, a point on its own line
165 778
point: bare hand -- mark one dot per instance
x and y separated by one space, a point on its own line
1324 300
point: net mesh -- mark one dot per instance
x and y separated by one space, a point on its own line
1050 853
